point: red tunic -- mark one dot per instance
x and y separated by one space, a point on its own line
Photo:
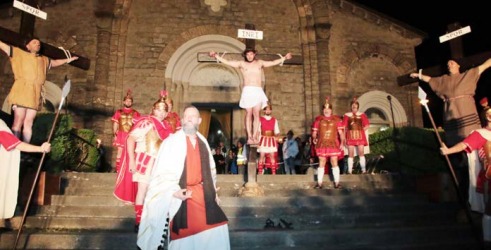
328 141
355 125
126 188
268 143
121 135
196 211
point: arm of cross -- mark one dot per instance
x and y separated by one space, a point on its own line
432 71
17 40
205 57
479 60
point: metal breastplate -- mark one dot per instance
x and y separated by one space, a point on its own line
354 123
355 127
153 142
327 133
126 121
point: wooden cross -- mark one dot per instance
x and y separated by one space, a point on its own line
456 51
27 30
250 44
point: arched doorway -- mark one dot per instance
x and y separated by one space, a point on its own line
383 110
218 121
213 88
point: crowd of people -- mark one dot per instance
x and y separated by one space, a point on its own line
295 155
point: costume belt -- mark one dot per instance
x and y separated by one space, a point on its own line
193 185
456 97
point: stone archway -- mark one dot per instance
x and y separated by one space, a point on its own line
193 81
206 83
379 108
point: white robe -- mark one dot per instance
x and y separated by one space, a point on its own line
9 178
159 201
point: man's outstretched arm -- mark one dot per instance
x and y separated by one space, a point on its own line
219 58
278 61
485 65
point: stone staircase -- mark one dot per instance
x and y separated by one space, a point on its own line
368 212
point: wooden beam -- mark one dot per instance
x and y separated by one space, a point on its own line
465 64
456 47
250 43
204 57
27 21
48 50
456 52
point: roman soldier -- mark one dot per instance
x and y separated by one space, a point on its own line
139 154
479 143
172 117
123 120
356 124
328 137
268 143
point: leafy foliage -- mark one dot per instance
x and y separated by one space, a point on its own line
71 149
408 150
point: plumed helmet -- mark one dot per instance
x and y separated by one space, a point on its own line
128 95
167 98
160 103
327 104
355 101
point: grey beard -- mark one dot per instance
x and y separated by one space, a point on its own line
189 130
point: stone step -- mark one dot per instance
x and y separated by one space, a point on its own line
72 179
432 237
123 220
232 189
54 216
235 208
369 212
354 198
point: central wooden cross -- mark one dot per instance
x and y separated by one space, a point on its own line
250 44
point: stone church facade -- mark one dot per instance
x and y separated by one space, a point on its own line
147 45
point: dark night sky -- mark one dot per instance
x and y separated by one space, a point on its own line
434 20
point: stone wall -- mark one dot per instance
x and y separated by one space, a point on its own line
148 45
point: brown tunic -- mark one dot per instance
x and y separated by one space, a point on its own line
29 74
460 113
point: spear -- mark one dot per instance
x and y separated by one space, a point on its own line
64 93
424 102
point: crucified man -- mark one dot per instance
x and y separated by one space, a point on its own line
253 98
25 97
